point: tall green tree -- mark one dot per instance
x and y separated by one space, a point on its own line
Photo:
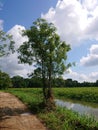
48 52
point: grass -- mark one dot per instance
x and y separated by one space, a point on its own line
59 119
31 97
63 119
82 94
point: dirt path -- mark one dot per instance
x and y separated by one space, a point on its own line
14 115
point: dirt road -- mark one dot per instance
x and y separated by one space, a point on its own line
14 115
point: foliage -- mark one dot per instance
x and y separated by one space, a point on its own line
6 43
60 119
31 96
49 53
5 81
35 80
18 82
88 94
63 119
96 83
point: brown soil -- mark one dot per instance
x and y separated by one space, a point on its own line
14 115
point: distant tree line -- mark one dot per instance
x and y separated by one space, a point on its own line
5 80
36 82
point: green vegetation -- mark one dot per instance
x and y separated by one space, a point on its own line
36 81
63 119
5 81
88 94
45 49
6 44
60 118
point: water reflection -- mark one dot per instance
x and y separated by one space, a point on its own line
82 109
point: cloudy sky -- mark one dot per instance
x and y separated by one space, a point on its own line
76 22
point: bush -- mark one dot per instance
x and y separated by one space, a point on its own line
5 81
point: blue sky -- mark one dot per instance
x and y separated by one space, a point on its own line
23 12
76 22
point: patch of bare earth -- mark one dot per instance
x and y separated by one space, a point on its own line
14 115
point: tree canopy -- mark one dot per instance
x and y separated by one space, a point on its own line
45 48
5 81
6 43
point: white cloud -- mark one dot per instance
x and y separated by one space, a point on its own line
94 49
76 76
81 77
9 63
16 32
75 20
90 4
92 30
66 18
92 58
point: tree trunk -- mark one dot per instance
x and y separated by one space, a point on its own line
47 88
48 96
50 99
44 83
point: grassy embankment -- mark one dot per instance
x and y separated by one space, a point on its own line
61 118
87 94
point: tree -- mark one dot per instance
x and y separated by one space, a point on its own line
48 52
96 83
5 81
18 82
36 78
6 43
59 82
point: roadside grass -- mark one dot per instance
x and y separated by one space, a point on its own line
59 119
31 97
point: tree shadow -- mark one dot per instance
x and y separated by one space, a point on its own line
7 112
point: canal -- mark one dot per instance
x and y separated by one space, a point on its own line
90 110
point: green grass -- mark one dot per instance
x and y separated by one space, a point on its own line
63 119
59 119
82 94
31 97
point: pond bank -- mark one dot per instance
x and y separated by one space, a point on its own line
79 107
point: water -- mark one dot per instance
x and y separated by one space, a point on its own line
25 114
80 108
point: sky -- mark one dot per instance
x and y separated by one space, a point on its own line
76 22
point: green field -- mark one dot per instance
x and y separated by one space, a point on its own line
61 118
88 94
